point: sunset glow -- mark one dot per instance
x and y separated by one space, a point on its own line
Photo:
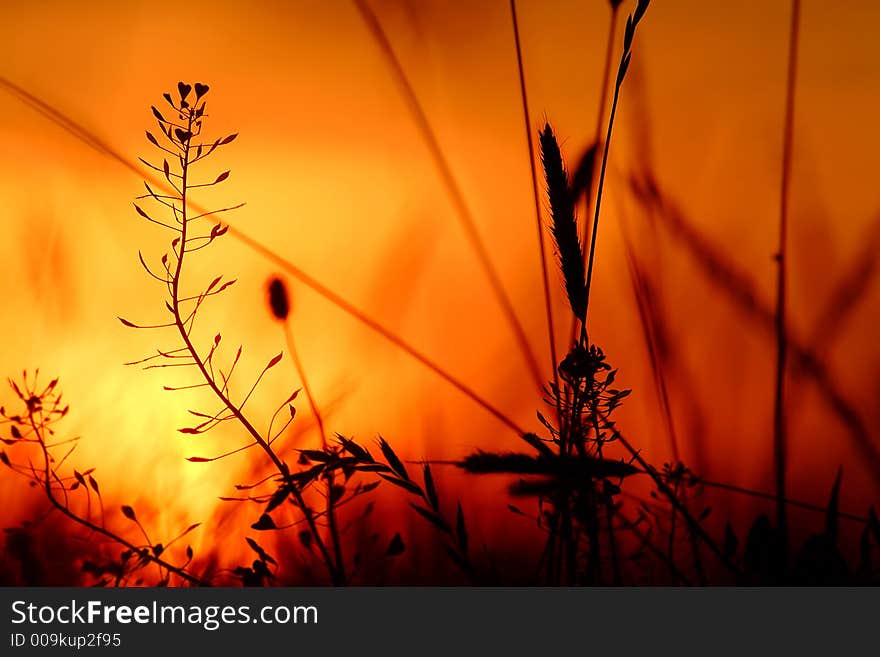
345 203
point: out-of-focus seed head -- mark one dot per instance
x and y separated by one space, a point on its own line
279 299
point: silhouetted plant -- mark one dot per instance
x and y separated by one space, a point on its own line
780 439
184 148
632 22
580 482
39 457
259 573
331 467
348 457
280 305
580 492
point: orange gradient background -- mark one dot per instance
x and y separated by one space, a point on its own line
338 180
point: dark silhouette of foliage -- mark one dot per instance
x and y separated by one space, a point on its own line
578 472
39 456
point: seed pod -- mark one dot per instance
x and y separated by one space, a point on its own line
279 300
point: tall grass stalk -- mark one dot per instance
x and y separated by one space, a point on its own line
741 290
632 22
545 277
650 323
587 398
780 441
280 304
453 189
597 133
669 494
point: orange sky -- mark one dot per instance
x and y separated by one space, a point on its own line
337 178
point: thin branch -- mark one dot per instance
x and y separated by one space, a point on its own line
47 469
236 411
319 419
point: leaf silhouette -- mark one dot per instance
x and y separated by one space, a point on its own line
461 530
264 556
264 523
430 490
395 463
432 517
395 547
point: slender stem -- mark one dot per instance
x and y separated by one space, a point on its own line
740 289
300 371
453 189
649 322
670 548
330 479
676 503
545 278
594 561
600 119
547 554
630 525
375 326
780 446
609 503
221 395
695 550
595 230
47 485
571 548
772 496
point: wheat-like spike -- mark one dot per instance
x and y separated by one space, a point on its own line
563 223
